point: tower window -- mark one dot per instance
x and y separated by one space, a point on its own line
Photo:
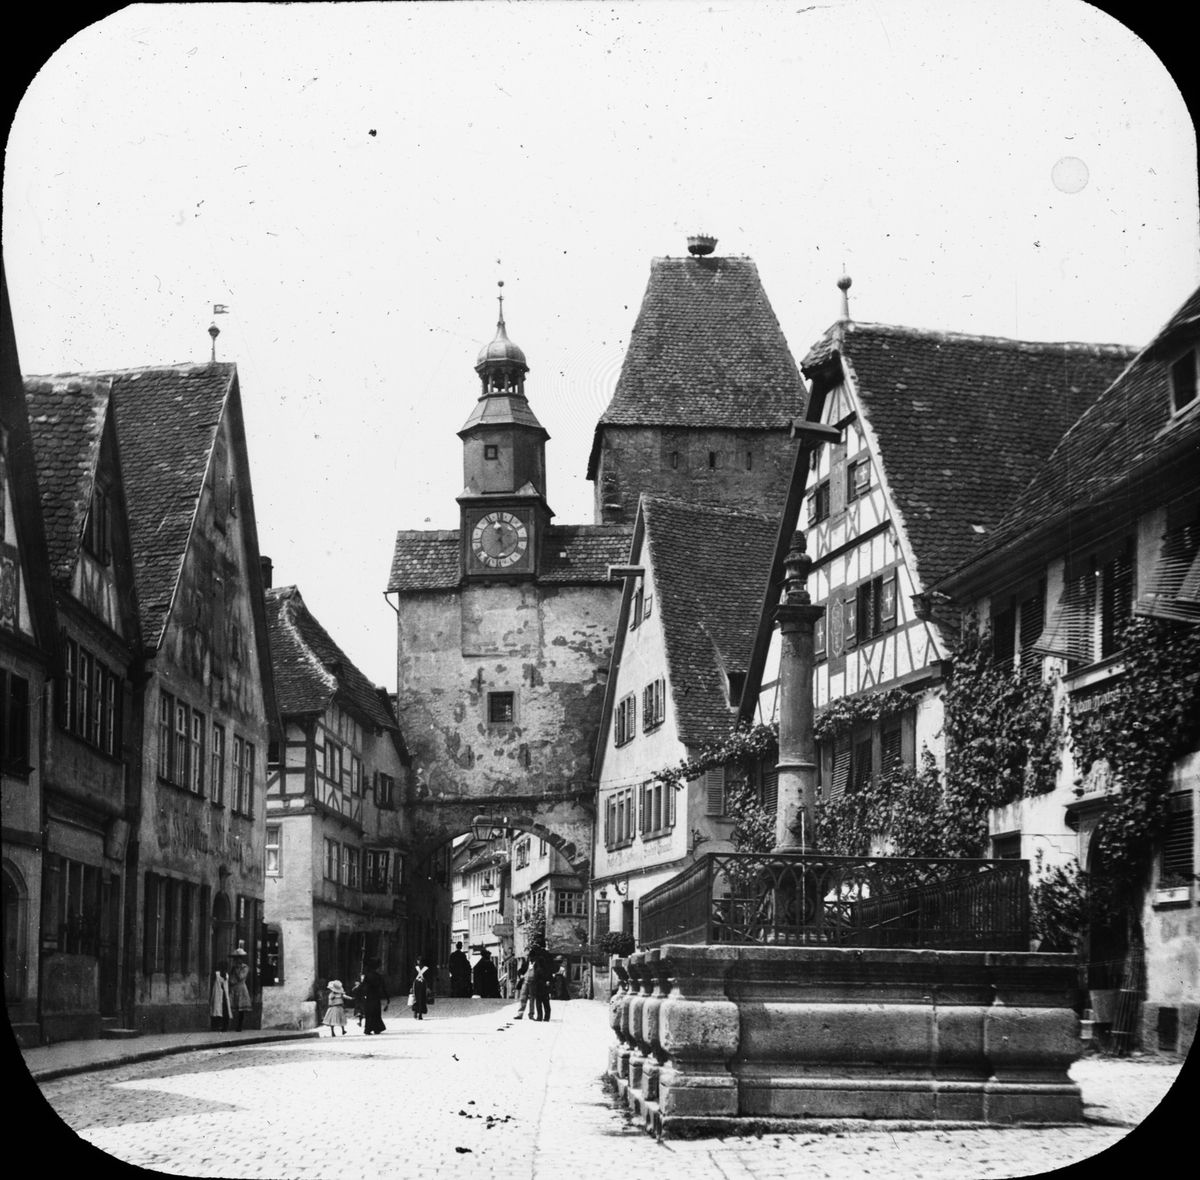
749 460
675 460
501 708
714 460
491 451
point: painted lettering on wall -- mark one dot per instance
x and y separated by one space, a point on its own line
189 832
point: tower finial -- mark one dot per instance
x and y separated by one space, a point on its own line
844 286
500 284
214 332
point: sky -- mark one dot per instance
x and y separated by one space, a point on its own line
352 181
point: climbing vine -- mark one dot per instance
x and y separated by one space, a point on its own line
1003 742
902 810
1150 720
841 716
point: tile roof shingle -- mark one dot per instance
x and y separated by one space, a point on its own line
706 350
1128 427
710 567
963 422
67 416
582 553
167 418
309 667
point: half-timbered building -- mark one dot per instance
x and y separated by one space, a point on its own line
336 834
939 431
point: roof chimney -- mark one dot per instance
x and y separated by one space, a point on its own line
267 569
701 244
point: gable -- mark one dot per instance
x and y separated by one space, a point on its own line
962 423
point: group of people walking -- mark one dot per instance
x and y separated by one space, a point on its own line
536 984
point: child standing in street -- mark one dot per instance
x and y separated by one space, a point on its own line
335 1014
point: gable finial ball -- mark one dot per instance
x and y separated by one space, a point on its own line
844 283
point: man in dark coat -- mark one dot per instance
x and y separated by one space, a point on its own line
460 973
487 981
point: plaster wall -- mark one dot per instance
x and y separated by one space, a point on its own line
207 659
548 645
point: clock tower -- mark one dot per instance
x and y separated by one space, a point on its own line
503 504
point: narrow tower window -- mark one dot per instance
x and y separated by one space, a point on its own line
491 451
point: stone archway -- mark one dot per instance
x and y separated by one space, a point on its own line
565 821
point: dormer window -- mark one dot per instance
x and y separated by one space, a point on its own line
737 685
97 532
1183 381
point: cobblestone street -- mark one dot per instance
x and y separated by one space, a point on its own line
471 1092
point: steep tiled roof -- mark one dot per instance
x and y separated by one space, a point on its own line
710 567
962 422
1123 431
310 669
66 415
706 350
571 554
167 418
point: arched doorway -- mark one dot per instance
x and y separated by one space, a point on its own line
222 928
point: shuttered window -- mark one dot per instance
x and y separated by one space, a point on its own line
860 770
1173 588
1030 621
1116 602
769 787
841 767
714 791
891 748
1177 860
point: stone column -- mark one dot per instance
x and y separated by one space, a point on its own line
796 616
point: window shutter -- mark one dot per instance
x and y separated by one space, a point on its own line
850 620
642 807
841 767
1068 632
714 791
860 775
770 788
1173 590
1116 602
1177 839
891 749
819 640
887 601
1004 634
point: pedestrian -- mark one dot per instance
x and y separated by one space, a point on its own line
487 982
335 1013
418 998
372 994
542 986
239 992
219 1006
524 987
355 994
562 989
460 974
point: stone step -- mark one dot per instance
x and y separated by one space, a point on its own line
119 1034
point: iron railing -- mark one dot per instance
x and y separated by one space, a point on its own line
810 899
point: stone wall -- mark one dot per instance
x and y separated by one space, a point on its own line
714 1040
748 469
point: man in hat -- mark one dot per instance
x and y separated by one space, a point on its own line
460 973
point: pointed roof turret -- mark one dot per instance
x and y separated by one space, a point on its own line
501 364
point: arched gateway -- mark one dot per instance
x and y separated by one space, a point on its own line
564 822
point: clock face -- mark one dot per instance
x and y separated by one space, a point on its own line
499 540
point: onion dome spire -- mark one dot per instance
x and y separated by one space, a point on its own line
501 364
